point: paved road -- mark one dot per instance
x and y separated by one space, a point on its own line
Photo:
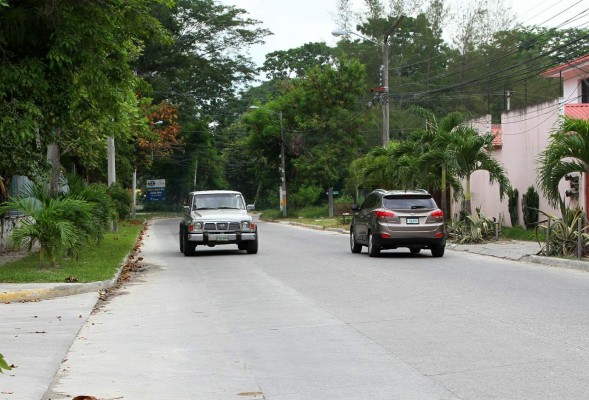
306 319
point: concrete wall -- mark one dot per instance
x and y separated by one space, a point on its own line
525 134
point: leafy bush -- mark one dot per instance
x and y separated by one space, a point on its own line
530 207
305 196
56 223
122 200
563 235
344 199
103 208
513 196
472 229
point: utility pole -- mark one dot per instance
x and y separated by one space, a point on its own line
134 188
385 93
282 169
112 175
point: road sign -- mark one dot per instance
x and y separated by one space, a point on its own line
156 190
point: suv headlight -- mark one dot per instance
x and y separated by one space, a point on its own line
248 226
195 226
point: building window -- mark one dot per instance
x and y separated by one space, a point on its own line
585 91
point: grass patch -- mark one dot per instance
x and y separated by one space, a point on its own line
520 233
97 263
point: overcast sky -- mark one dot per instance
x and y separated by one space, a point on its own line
296 22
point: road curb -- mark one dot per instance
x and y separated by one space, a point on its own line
558 262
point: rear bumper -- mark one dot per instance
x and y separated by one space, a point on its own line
220 238
393 243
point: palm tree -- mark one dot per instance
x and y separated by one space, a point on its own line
567 152
429 149
51 222
470 153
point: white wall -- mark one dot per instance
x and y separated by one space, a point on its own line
525 134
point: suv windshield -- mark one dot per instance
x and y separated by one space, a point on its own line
408 202
217 201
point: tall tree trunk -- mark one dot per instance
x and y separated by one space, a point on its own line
467 195
443 201
53 160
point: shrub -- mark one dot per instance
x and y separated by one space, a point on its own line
305 196
530 207
122 200
472 229
563 235
56 223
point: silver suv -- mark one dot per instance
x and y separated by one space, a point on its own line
216 217
395 218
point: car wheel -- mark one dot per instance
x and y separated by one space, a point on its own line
414 250
252 246
355 247
438 251
181 239
373 248
188 247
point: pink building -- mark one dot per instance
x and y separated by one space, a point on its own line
523 135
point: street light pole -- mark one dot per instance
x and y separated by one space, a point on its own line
282 168
385 94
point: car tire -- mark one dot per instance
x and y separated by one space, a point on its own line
181 239
354 246
438 251
188 247
373 246
252 246
414 250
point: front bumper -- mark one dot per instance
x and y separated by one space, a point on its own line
221 238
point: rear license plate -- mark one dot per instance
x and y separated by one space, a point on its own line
222 237
412 221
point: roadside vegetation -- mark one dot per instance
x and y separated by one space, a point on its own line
96 263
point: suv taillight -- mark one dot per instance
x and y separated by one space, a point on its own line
436 216
384 214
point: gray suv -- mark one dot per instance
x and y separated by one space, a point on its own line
389 219
216 217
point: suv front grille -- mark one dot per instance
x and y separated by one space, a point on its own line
222 226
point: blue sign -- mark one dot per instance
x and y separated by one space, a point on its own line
155 194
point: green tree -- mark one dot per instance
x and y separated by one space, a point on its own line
471 153
321 119
67 80
199 74
431 148
567 152
296 62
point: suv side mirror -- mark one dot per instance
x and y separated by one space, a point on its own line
251 207
355 207
186 208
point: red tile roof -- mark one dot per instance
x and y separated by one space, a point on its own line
496 131
578 111
569 66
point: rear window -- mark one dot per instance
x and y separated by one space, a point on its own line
408 202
